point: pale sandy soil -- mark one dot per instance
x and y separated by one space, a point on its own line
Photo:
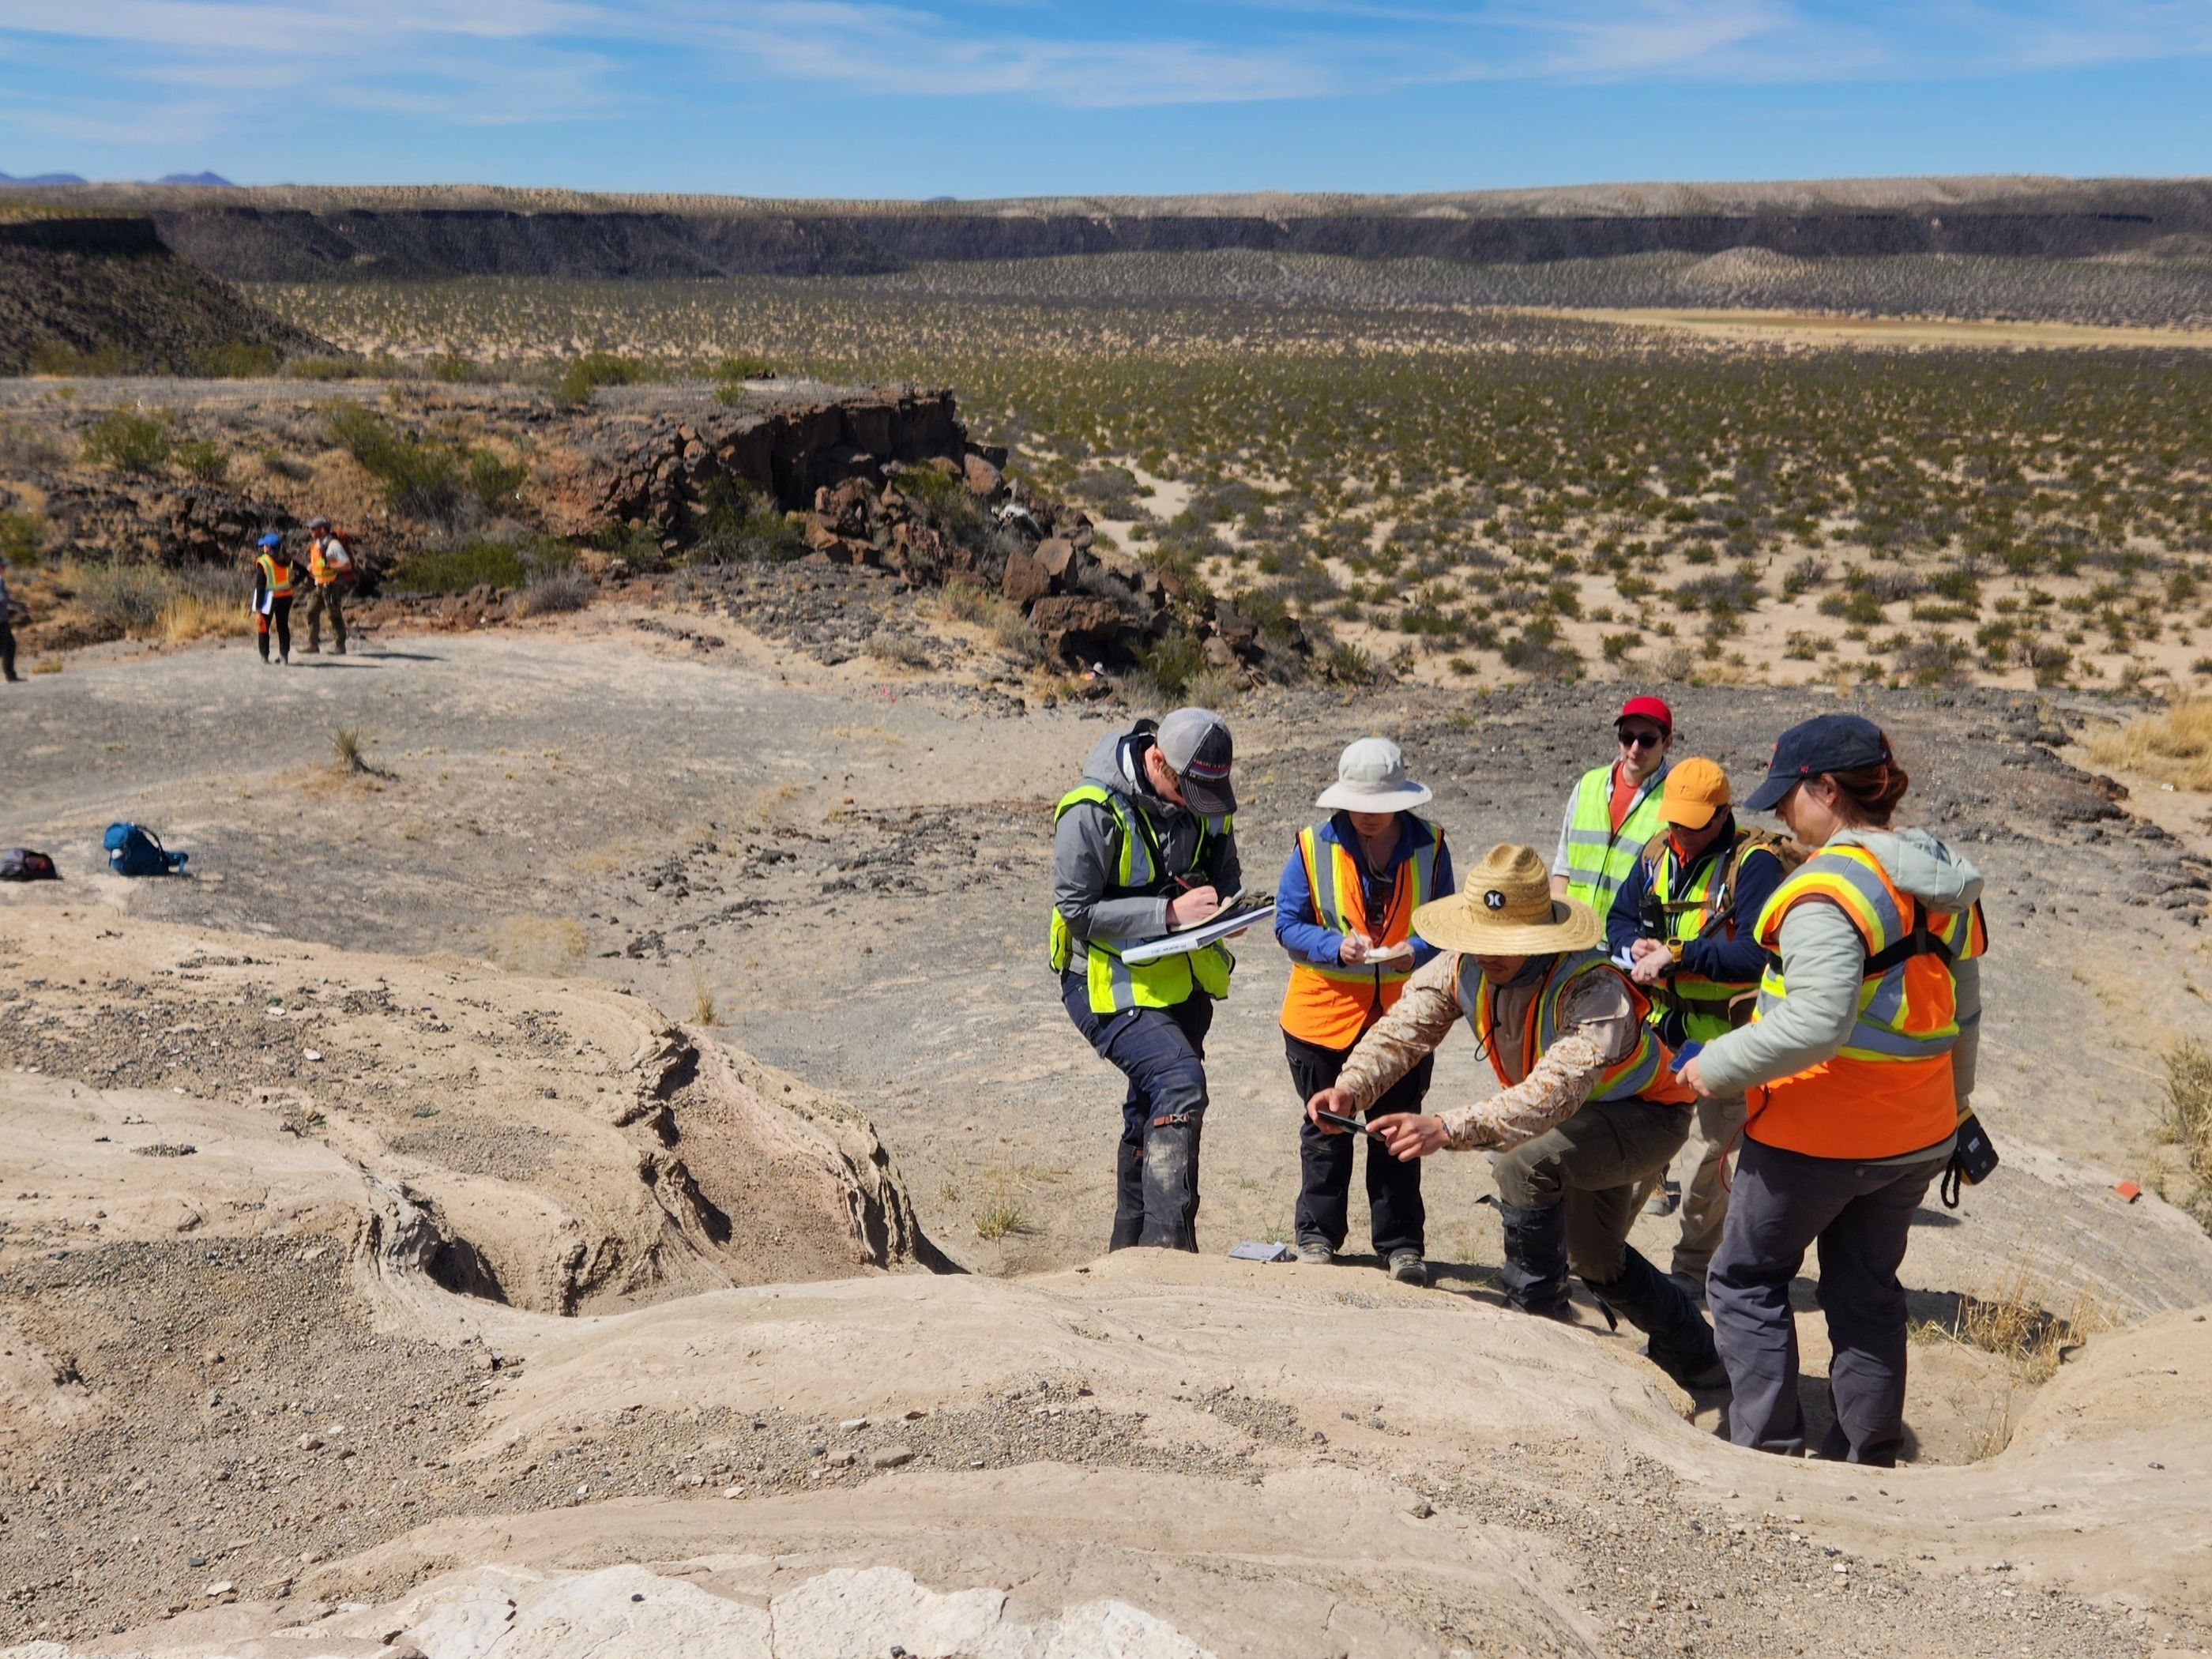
1824 329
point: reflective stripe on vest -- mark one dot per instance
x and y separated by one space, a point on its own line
1117 985
1600 857
1703 1002
1889 1090
280 585
1646 1072
1332 1006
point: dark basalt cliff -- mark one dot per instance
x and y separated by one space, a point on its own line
255 243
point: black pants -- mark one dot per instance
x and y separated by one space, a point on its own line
279 618
1162 1052
7 649
1397 1221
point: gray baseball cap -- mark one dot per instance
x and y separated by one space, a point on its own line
1195 743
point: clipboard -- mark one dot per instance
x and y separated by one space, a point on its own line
1243 912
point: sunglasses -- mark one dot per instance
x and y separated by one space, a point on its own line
1642 737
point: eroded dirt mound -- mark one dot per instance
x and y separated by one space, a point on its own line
550 1145
1184 1455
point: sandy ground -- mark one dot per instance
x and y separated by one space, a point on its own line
1827 329
847 874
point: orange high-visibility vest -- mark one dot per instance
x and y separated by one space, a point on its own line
1332 1006
1645 1072
1889 1090
319 566
278 577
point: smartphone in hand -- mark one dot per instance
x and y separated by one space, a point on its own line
1343 1122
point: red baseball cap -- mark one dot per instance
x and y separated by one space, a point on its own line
1651 709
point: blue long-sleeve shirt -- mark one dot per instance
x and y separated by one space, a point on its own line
1302 934
1737 961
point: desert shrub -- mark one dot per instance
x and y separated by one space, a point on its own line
735 526
2189 1105
326 369
458 569
962 600
454 367
1808 573
59 357
732 373
1174 663
125 443
23 537
555 589
1348 665
27 447
496 481
215 601
123 598
203 460
1540 652
1111 489
905 650
236 360
1017 635
422 478
594 369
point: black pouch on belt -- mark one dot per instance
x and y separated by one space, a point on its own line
1973 1159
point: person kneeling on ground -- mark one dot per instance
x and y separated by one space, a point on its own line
1344 910
1589 1112
1860 1065
1147 842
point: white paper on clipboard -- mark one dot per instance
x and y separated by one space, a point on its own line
1245 912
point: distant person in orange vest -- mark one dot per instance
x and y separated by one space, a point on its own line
330 568
1344 910
1859 1063
273 576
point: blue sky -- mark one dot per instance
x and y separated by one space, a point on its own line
1032 97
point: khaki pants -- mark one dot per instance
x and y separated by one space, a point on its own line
325 600
1705 1194
1596 1165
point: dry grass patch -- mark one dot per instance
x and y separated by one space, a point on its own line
2174 746
2188 1119
551 947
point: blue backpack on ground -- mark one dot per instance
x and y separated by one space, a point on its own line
133 850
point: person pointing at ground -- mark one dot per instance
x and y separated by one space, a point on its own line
1586 1111
1147 843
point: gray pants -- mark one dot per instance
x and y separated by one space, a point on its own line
326 600
1596 1164
1858 1215
1705 1194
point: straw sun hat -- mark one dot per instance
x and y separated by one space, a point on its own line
1504 908
1370 777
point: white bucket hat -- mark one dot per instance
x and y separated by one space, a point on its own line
1370 777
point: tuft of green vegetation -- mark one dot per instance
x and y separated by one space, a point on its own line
458 569
732 526
236 360
594 369
126 442
59 357
203 460
23 537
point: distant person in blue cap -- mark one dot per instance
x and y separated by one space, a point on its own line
273 597
1858 1065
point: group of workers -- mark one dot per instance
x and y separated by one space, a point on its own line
277 574
1808 1002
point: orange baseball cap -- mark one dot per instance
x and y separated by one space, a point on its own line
1694 792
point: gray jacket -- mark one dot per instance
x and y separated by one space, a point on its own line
1086 847
1824 961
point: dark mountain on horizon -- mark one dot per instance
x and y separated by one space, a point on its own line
39 178
213 180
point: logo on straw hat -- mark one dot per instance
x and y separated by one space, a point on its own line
1494 899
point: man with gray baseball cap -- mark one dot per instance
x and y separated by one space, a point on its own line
1147 843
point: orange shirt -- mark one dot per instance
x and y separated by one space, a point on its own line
1625 791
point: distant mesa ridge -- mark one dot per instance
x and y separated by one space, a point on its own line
304 234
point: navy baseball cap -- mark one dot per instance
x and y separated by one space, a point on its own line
1826 742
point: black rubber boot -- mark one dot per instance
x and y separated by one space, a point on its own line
1536 1272
1171 1184
1128 1195
1681 1343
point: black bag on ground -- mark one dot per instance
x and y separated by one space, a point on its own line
21 864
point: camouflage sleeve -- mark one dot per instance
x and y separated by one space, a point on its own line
1421 1018
1603 1032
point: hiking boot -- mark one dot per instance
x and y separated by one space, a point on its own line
1534 1276
1666 1200
314 650
1316 1252
1681 1343
339 650
1406 1267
